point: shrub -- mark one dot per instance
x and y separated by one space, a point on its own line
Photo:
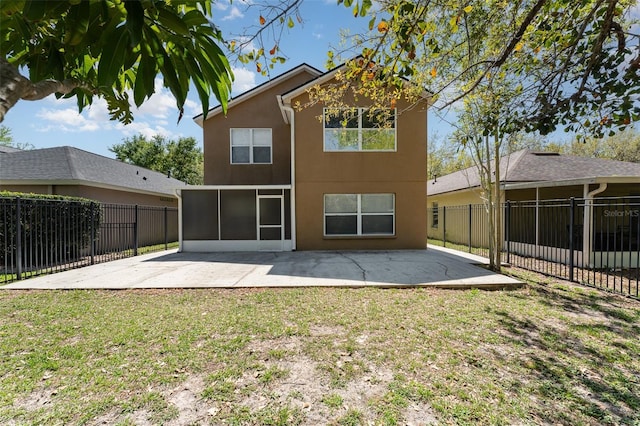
54 229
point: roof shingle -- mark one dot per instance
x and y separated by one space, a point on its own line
72 164
531 166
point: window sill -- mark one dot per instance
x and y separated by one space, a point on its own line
359 237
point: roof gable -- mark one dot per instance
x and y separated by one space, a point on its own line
321 79
243 97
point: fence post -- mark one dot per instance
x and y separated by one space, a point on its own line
571 247
444 226
18 239
93 232
507 234
470 214
166 230
135 233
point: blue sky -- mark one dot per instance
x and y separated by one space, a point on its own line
51 122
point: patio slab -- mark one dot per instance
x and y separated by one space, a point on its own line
434 267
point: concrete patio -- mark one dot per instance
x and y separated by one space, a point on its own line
434 267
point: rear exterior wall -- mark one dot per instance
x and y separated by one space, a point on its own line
402 173
262 111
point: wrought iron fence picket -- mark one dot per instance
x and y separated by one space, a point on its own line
549 237
39 236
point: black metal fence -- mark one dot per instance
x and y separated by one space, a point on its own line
43 236
595 242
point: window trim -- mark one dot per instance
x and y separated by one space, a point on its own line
251 145
361 111
435 215
359 215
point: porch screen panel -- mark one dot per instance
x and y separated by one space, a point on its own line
238 215
287 214
200 215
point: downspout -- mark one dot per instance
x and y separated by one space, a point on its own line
179 195
587 237
293 171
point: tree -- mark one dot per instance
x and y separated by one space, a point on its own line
6 139
574 61
623 146
445 158
109 49
181 159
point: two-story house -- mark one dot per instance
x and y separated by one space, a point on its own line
284 178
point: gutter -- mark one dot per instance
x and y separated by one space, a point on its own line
292 126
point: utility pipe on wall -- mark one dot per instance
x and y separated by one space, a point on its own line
587 227
293 171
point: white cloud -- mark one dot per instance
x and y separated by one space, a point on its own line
160 105
66 120
234 13
220 5
151 118
245 80
144 128
192 108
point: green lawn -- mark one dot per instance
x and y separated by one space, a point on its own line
549 353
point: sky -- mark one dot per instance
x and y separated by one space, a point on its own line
51 122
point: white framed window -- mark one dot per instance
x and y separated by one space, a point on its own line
359 129
435 215
359 214
250 146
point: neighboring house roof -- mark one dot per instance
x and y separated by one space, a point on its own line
67 165
199 119
5 149
528 166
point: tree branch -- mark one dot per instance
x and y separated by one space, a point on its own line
508 49
14 86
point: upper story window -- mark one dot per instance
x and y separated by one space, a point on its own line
250 146
359 129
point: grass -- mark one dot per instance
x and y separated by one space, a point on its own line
550 353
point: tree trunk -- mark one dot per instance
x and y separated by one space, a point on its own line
497 204
14 86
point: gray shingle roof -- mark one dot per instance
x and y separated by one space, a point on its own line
531 166
5 149
72 165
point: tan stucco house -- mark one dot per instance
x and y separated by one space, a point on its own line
540 178
71 171
284 178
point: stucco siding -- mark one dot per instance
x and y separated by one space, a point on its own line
401 172
102 195
262 111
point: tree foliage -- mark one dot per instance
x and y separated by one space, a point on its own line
112 49
575 63
623 146
181 159
6 139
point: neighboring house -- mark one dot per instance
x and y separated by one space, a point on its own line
74 172
279 178
540 177
6 148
